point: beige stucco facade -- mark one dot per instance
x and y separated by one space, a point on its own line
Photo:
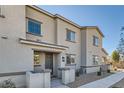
17 45
92 50
11 51
73 47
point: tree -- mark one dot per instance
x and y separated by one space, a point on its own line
115 56
120 47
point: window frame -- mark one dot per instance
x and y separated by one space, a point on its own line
35 21
71 58
70 35
37 53
95 41
95 62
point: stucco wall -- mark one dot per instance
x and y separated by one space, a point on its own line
74 47
14 57
54 31
93 50
14 26
47 26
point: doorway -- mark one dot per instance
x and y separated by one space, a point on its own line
49 62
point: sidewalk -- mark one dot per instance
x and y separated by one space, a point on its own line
56 83
105 82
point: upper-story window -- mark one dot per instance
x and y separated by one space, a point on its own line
95 41
34 27
70 35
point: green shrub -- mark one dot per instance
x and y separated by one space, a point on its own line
7 84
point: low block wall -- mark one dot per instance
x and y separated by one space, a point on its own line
105 67
38 80
93 69
68 75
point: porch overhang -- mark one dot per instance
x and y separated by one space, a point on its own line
43 46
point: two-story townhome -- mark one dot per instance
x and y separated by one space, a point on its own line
34 39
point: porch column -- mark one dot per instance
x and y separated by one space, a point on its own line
61 60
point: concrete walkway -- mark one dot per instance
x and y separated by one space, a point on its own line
105 82
56 83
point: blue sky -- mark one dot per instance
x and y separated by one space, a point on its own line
109 19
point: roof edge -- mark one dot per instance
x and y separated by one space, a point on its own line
41 10
67 20
64 19
94 27
105 51
54 16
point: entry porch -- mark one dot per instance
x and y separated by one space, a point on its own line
50 59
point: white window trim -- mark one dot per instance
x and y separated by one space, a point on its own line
71 35
34 21
71 56
95 43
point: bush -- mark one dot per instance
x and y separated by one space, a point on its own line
99 73
7 84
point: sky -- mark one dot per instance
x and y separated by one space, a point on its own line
109 19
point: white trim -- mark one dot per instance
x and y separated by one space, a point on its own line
41 10
40 44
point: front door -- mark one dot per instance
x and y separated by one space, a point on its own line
49 62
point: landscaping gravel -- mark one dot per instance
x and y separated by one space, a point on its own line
86 78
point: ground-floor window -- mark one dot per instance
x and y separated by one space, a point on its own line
95 60
70 59
37 58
